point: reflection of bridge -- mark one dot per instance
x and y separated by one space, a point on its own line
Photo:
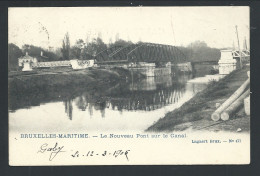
151 101
157 93
129 100
150 83
142 52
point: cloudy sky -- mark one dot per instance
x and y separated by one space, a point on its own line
165 25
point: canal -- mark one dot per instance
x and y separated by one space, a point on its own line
130 106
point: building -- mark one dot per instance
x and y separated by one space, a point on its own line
27 62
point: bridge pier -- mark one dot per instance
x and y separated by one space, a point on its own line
152 71
185 67
226 63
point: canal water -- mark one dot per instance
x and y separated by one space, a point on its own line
133 105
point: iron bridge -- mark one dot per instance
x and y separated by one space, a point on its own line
142 52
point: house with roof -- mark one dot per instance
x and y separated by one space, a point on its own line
27 62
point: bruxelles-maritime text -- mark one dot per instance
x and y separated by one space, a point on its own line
116 136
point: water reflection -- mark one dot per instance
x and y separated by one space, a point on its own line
68 108
145 95
150 83
129 105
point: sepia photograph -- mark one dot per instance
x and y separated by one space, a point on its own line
141 77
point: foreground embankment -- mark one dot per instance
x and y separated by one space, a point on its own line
27 89
196 113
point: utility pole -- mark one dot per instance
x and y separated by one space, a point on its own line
173 32
245 44
239 49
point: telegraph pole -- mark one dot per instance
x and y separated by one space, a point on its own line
240 60
173 32
245 44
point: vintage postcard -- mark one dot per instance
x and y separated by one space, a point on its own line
129 85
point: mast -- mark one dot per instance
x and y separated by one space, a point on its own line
245 44
234 48
173 32
240 60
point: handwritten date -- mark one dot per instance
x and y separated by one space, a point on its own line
116 153
54 150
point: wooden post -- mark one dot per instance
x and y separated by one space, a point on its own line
234 106
216 115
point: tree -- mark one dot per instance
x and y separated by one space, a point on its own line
58 53
96 46
66 47
35 51
110 42
14 52
187 51
117 37
100 45
201 52
77 49
121 43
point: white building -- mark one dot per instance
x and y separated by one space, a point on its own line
27 62
227 63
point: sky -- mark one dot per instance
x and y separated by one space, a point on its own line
179 26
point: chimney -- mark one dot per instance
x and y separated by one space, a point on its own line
41 53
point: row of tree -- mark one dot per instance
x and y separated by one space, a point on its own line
199 51
80 50
86 50
14 52
196 51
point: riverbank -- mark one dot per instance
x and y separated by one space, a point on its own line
63 76
26 89
196 113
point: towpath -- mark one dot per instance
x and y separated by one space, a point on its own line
196 113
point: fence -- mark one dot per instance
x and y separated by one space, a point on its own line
53 64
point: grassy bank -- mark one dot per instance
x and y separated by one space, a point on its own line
202 105
45 86
67 78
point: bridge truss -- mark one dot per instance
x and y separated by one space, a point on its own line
244 53
142 52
